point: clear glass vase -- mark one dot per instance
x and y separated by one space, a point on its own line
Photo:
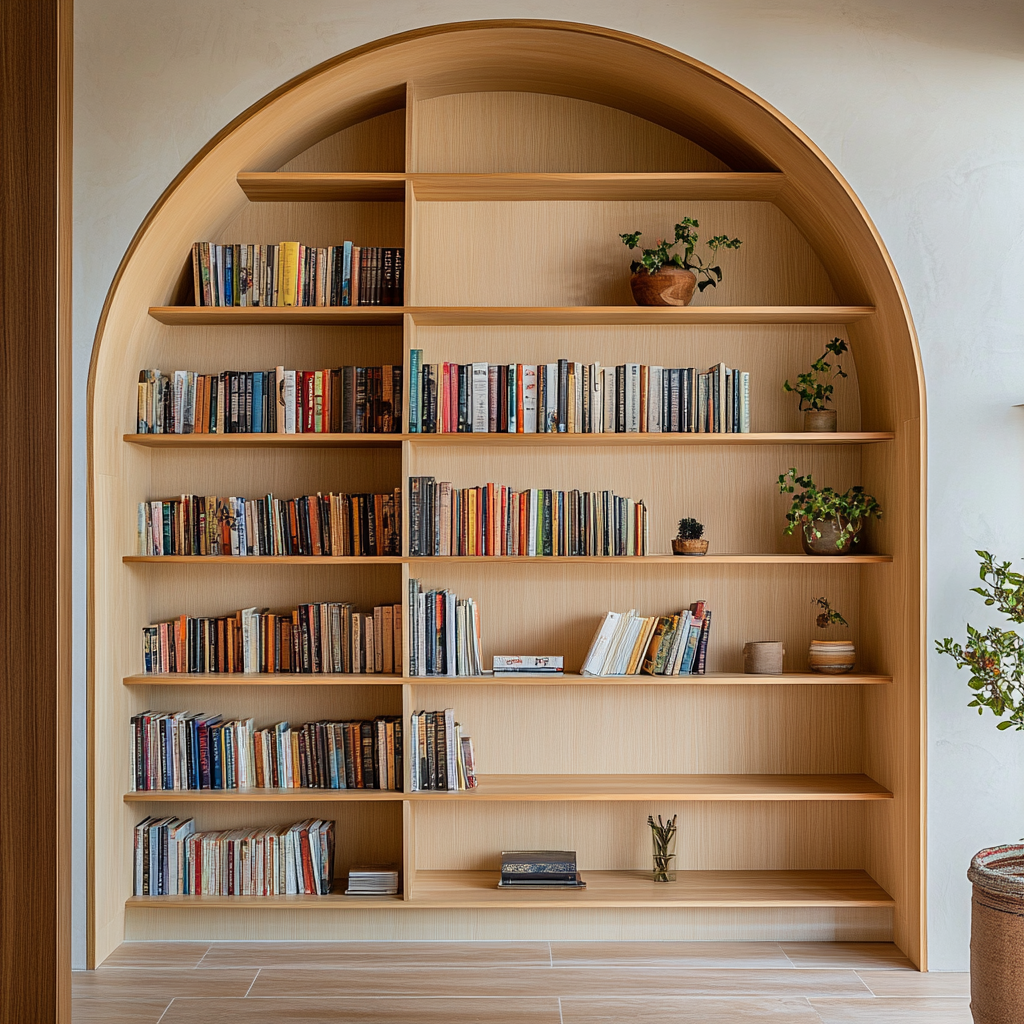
663 852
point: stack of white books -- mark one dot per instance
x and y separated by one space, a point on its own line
528 665
372 881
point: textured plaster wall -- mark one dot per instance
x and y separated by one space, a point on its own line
918 102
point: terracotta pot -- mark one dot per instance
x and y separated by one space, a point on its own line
997 935
670 286
689 547
820 421
830 529
831 657
763 657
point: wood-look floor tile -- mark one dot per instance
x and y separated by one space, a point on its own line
687 1011
565 981
893 1011
130 982
877 956
913 983
385 1010
377 954
157 954
98 1010
745 955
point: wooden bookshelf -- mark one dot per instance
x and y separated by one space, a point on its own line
799 795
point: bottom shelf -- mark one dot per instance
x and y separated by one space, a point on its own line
470 889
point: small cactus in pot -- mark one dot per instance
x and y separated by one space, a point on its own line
690 540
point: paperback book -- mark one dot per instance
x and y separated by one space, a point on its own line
442 756
444 637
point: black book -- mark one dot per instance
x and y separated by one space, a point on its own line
585 426
620 399
399 279
247 428
441 750
463 424
397 407
502 418
388 277
563 395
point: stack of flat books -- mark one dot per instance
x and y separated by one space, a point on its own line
527 665
540 869
372 881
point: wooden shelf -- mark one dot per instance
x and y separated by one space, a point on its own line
467 889
333 901
293 560
666 787
496 440
262 679
523 316
261 796
566 679
306 187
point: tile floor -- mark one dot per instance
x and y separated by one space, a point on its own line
521 982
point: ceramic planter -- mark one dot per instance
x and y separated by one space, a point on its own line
820 421
831 657
689 547
830 529
670 286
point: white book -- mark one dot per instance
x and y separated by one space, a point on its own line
247 626
654 399
452 771
513 387
577 397
599 645
178 413
745 402
675 654
596 399
624 646
479 398
156 522
421 640
288 398
529 399
632 398
531 525
550 398
608 387
141 530
281 415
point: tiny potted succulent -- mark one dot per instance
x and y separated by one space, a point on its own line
689 541
815 388
830 522
831 657
665 278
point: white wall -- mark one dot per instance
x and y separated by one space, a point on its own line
918 102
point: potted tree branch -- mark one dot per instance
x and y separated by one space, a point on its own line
995 660
815 389
830 657
665 278
689 541
830 522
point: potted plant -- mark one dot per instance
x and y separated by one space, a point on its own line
663 848
831 657
995 660
665 278
830 522
815 388
689 541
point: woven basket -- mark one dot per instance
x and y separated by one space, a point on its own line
763 657
997 935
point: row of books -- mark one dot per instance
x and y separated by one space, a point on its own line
628 644
293 274
497 520
575 398
329 637
443 755
314 524
173 859
444 638
343 400
184 751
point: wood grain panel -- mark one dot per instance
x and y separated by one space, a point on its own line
35 467
375 144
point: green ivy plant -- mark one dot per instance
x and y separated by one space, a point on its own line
815 388
995 658
828 616
652 260
813 504
690 529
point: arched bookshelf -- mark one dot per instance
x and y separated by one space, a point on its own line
506 157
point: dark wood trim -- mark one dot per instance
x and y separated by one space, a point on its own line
35 403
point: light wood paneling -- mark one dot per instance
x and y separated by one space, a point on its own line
513 99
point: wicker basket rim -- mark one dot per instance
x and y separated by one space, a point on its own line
999 869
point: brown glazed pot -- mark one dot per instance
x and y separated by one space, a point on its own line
826 543
689 547
820 421
997 935
831 657
670 286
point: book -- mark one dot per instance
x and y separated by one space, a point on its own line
293 274
526 664
626 643
372 881
442 757
540 869
445 633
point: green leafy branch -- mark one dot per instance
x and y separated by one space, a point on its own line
652 260
815 387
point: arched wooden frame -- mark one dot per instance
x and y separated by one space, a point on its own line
618 71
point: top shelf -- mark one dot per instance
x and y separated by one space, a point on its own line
323 187
482 316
